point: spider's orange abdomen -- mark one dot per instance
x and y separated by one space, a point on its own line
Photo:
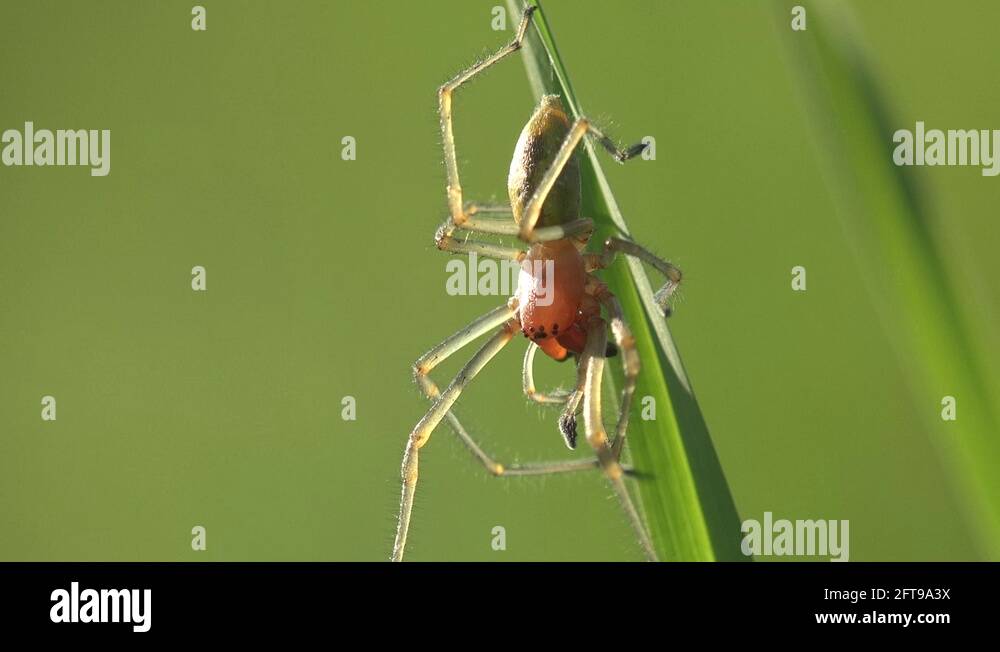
550 290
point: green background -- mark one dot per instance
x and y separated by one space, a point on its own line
223 408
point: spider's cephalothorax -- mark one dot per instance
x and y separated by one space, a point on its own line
559 305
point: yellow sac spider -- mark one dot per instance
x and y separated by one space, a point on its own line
544 188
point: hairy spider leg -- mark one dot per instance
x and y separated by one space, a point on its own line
422 431
460 216
442 407
528 230
630 360
555 397
593 357
427 362
614 245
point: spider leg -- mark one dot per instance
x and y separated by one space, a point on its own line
445 240
533 210
583 225
594 426
458 215
557 397
422 431
474 208
614 245
630 361
569 399
581 228
441 408
427 362
589 309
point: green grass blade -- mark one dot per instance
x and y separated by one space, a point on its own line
685 499
902 267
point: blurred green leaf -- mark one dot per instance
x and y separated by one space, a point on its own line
882 211
683 493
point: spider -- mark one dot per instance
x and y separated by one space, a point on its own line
544 189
